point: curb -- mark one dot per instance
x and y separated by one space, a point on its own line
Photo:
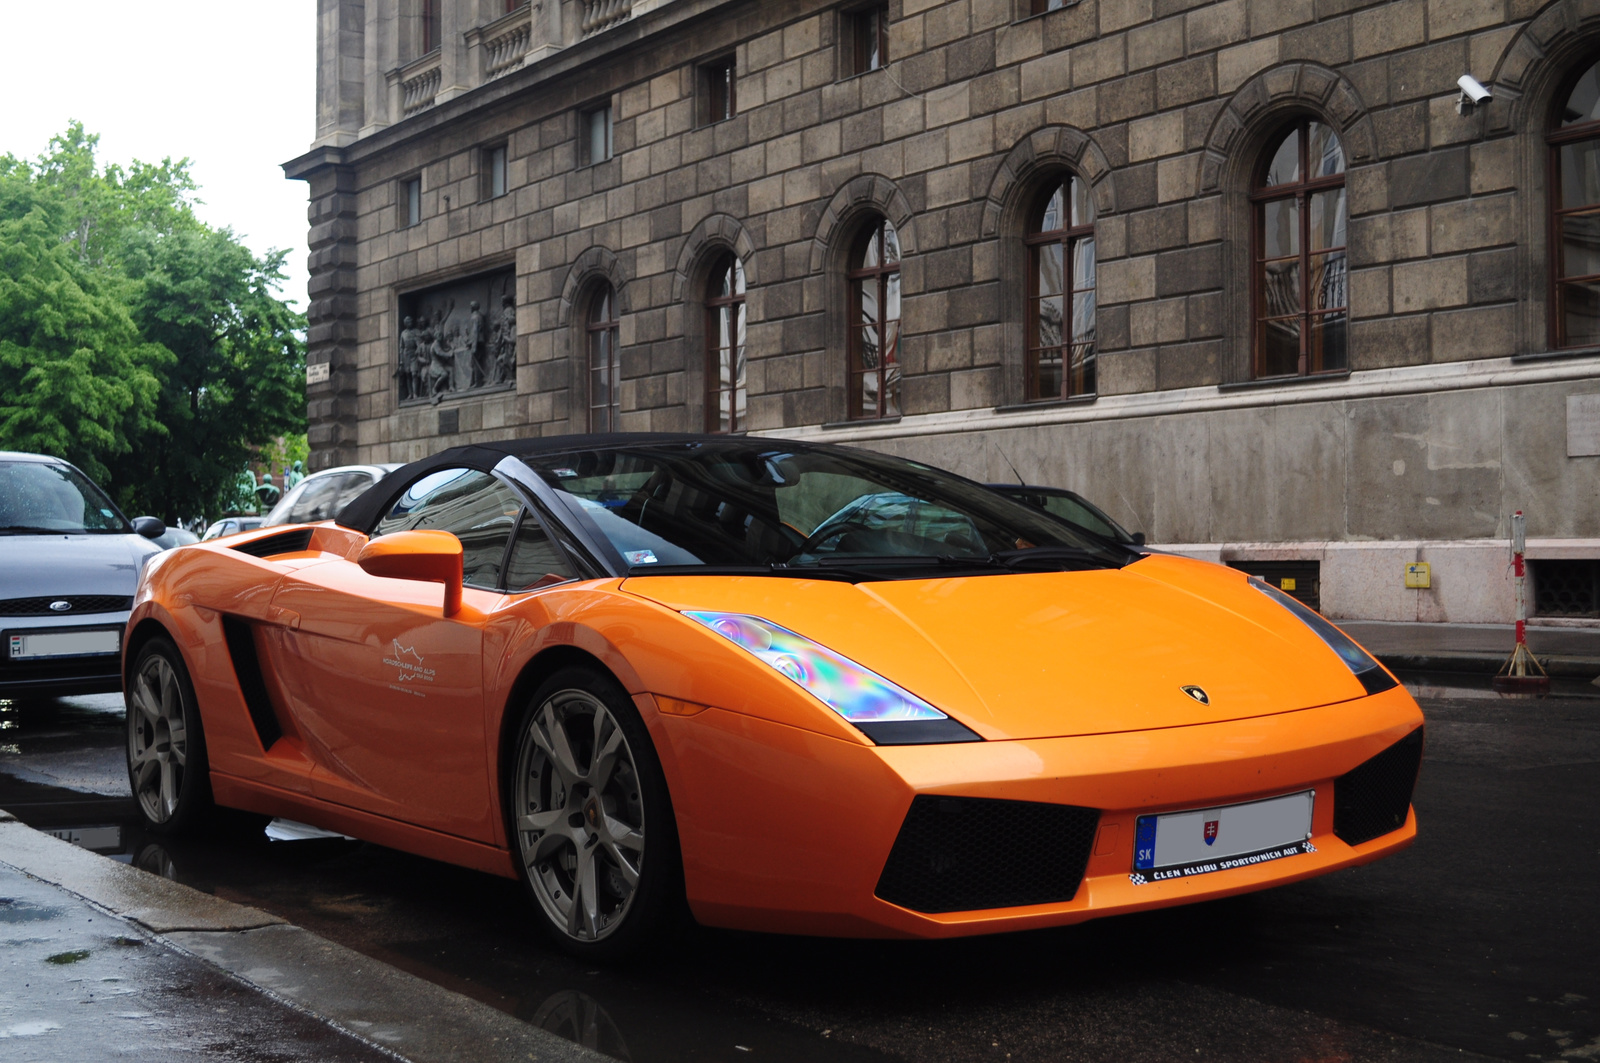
399 1013
1558 666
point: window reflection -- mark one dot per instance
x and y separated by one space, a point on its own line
1060 359
1575 145
1301 274
874 278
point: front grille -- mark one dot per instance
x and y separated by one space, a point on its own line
81 604
51 670
956 854
1372 798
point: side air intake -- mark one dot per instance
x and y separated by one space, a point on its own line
289 542
1372 799
956 854
247 667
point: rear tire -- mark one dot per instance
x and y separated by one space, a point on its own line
590 818
167 766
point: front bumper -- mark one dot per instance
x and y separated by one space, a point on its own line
787 831
59 676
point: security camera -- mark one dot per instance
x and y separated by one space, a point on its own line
1473 92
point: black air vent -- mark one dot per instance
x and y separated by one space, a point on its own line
289 542
81 604
957 854
1372 799
247 667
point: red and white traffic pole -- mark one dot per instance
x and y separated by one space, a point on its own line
1517 678
1519 546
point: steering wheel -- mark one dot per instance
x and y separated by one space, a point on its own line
831 531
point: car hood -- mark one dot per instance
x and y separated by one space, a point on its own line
1042 655
33 565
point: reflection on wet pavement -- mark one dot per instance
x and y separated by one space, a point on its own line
1454 945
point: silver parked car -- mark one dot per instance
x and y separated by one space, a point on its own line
69 563
322 495
230 526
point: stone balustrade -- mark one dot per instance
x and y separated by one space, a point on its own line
505 42
602 14
419 84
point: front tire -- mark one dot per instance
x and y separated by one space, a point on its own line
167 766
590 817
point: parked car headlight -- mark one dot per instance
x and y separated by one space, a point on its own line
1371 674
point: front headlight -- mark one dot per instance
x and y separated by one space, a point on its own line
1371 674
884 712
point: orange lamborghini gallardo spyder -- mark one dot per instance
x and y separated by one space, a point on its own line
800 688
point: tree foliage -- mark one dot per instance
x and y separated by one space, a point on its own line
136 341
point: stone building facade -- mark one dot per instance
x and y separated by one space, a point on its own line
1296 307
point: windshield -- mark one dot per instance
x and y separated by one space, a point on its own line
40 498
754 504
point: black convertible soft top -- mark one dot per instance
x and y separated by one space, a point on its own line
365 509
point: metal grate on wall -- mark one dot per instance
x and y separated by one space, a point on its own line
1298 579
1566 588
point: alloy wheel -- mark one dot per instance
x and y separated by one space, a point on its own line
158 746
579 815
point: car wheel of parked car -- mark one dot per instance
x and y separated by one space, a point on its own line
591 819
166 749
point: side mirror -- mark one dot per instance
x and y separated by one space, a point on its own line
430 556
1138 538
149 527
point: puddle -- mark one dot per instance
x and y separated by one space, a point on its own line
61 959
1460 686
22 912
95 839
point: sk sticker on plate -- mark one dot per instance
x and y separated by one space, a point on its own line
640 557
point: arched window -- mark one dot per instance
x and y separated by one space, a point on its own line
1575 204
1061 304
1300 293
605 362
725 390
874 277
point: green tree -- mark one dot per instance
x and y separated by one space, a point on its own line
238 376
76 377
135 340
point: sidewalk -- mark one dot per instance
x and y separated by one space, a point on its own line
1566 652
101 959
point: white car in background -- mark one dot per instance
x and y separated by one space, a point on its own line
322 495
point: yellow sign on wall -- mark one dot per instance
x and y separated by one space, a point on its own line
1419 576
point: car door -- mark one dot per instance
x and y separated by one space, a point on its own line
386 691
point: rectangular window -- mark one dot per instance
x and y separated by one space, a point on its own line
594 135
1039 7
866 39
494 172
512 5
718 91
411 202
430 25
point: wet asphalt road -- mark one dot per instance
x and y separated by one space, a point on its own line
1482 938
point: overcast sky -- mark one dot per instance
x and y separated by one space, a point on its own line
227 83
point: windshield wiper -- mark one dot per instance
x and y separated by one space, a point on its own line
28 529
774 569
1057 558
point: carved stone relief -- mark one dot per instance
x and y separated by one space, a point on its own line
458 337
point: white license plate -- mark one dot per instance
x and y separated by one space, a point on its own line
66 644
1203 840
